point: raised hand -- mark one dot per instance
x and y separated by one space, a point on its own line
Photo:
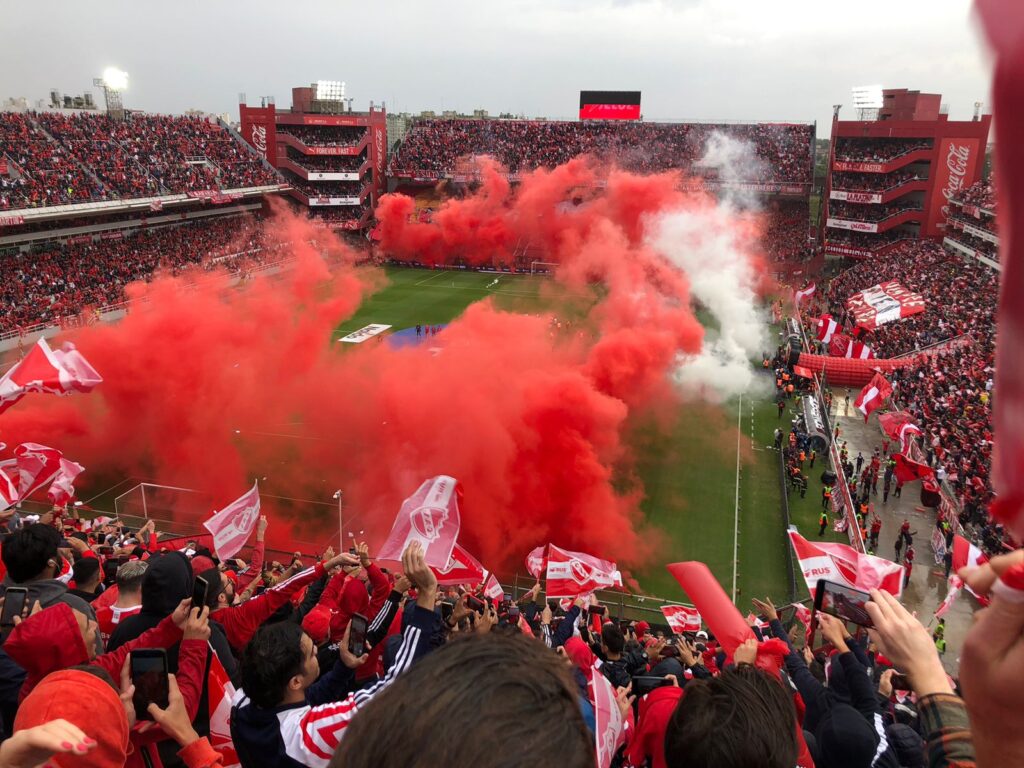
907 644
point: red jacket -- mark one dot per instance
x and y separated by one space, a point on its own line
654 711
51 640
345 596
240 622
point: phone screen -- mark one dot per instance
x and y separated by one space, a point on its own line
357 635
474 604
199 592
149 675
842 602
14 605
446 611
596 610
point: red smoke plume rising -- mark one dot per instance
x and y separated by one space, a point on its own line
530 422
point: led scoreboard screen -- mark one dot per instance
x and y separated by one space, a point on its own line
609 105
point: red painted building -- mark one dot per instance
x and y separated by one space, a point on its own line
334 160
892 178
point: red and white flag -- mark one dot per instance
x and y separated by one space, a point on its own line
858 350
802 613
537 561
462 568
681 618
966 554
8 490
156 205
884 303
231 526
908 470
899 426
431 517
62 489
826 328
952 592
57 371
32 467
571 574
221 693
493 588
608 729
845 565
873 395
804 293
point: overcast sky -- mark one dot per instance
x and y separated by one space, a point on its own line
701 59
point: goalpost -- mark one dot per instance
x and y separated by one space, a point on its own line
542 267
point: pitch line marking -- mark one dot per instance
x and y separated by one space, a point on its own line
736 519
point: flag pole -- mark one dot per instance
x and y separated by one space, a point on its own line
341 522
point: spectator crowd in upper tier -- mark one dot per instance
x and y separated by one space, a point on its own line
783 151
55 158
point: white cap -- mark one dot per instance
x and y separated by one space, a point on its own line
703 635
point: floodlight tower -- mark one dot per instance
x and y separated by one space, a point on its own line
113 83
867 100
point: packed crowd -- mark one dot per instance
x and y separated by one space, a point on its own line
877 150
106 661
59 280
867 240
839 209
950 392
979 244
435 146
39 172
784 237
324 136
981 194
339 213
871 182
328 188
70 158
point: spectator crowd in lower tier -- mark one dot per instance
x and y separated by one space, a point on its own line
55 280
858 150
54 158
783 151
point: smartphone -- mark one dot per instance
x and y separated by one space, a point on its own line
644 684
900 683
14 605
357 635
513 614
596 610
446 611
842 602
149 675
106 551
475 604
200 590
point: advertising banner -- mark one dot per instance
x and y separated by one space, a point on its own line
954 171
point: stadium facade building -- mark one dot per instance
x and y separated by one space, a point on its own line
892 178
333 159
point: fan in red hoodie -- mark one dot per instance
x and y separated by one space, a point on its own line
60 637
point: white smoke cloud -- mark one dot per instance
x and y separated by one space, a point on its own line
715 254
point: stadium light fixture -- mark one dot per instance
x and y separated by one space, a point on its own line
330 90
867 97
115 79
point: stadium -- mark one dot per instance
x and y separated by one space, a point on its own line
694 403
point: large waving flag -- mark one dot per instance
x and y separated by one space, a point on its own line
8 490
221 692
62 489
57 371
608 728
804 293
462 568
571 574
908 470
827 328
845 565
431 517
873 395
231 526
537 561
900 426
32 467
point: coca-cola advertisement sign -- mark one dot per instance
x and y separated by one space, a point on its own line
259 131
956 169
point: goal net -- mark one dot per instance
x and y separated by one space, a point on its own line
542 267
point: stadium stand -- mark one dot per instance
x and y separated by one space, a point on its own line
877 151
314 136
432 147
59 280
948 392
64 158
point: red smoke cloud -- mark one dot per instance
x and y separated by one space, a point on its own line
531 421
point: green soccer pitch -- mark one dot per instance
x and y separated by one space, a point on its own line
692 476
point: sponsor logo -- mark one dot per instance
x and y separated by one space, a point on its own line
428 521
259 139
580 572
846 569
956 161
